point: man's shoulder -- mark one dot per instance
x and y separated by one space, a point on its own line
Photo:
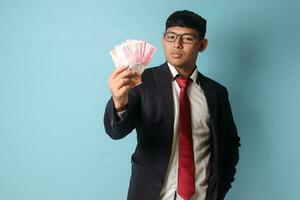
163 70
212 81
156 71
212 84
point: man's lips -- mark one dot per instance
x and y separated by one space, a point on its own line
176 54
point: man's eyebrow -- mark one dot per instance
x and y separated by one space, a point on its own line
181 33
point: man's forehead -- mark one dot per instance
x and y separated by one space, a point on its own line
182 30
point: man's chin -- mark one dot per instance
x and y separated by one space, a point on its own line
183 66
176 63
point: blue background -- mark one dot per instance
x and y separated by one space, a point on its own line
54 66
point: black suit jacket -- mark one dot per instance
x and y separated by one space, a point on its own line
150 112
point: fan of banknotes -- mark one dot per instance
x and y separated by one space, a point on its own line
133 53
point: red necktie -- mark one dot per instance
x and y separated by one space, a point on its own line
186 167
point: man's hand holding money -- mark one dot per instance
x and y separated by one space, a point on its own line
120 82
131 58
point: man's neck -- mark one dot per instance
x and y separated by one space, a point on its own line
184 72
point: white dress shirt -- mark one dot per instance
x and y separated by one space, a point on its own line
201 141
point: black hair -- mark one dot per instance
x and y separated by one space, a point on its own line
188 19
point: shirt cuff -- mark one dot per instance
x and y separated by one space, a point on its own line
120 114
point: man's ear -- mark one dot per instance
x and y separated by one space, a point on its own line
203 45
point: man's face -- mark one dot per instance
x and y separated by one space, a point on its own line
179 53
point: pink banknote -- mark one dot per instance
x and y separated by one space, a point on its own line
133 53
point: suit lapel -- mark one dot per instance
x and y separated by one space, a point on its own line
211 99
163 79
209 93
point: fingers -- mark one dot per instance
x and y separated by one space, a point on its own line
122 77
119 71
120 82
122 91
123 73
136 80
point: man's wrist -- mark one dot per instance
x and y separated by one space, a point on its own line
121 109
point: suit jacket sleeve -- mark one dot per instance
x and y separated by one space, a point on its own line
231 145
116 127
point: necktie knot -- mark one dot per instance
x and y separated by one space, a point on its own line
183 82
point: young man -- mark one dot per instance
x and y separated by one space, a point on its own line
187 142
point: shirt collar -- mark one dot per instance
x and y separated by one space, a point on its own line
175 73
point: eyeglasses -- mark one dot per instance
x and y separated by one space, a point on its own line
186 38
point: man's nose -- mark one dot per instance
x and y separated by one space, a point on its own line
178 43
